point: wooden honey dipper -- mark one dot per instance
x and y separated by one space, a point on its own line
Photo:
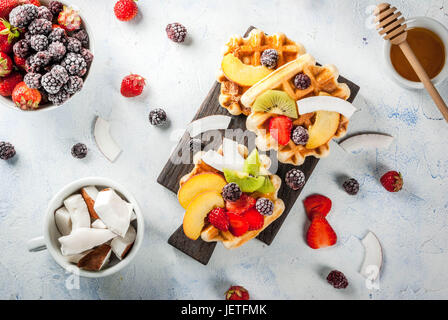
392 26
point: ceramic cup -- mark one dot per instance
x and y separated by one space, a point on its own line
49 240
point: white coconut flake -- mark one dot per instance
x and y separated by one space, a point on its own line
216 122
373 258
367 141
84 239
327 103
231 153
104 141
63 221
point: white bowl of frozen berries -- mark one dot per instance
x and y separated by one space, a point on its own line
45 54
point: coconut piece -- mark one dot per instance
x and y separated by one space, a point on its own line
122 245
98 224
79 214
63 221
76 257
367 141
231 153
373 258
113 211
108 147
97 259
83 239
216 122
89 194
327 103
131 209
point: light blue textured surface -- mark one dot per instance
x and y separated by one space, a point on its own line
411 225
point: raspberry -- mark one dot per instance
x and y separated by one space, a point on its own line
125 10
295 179
58 35
300 136
231 192
265 206
21 48
7 150
79 151
73 85
87 55
50 83
82 36
302 81
337 279
351 186
55 7
59 98
219 219
157 117
237 293
195 144
269 58
75 64
39 42
176 32
57 50
22 16
44 13
40 26
73 45
32 80
59 73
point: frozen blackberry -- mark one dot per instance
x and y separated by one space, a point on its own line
231 192
295 179
265 206
82 36
79 151
32 80
55 7
41 59
22 16
87 55
195 144
57 50
40 26
7 150
39 42
73 45
75 64
351 186
59 73
269 58
302 81
22 48
157 117
58 35
59 98
50 83
300 136
74 84
44 13
176 32
337 279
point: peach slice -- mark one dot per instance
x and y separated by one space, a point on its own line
242 74
198 210
323 129
199 184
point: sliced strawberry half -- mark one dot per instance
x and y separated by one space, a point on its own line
320 234
240 206
280 129
255 219
317 204
219 219
238 224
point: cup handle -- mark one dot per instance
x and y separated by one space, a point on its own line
36 244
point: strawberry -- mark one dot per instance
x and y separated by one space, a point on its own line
5 64
237 293
317 204
26 98
219 219
6 7
35 2
8 83
54 26
132 85
280 129
392 181
125 10
20 62
69 19
254 218
238 224
320 234
240 206
7 35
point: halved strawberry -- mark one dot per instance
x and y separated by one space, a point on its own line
240 206
255 219
238 224
219 219
320 234
317 204
280 129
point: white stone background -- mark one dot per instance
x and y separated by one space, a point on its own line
411 225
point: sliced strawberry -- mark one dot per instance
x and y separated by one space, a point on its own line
240 206
280 129
320 233
238 224
317 204
255 219
219 219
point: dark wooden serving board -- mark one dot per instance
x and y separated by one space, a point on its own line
172 173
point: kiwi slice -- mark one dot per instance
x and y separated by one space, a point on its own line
267 186
252 164
276 101
244 180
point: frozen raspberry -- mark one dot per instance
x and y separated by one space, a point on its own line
176 32
337 279
87 55
22 16
79 151
58 35
55 7
300 136
57 51
21 48
351 186
158 117
75 64
231 192
295 179
59 73
39 42
73 85
73 45
50 83
32 80
40 26
59 98
82 36
264 206
7 150
44 13
269 58
302 81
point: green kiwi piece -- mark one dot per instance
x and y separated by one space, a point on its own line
252 163
276 101
267 187
246 182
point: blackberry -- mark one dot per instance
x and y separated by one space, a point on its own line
79 151
195 144
55 7
295 179
59 73
57 50
41 59
157 117
50 83
302 81
22 16
74 84
265 206
87 55
7 150
176 32
231 192
300 136
44 13
21 48
32 80
58 35
73 45
269 58
40 26
337 279
75 64
82 36
351 186
59 98
39 42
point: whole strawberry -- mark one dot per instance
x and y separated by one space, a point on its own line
219 219
125 10
20 62
8 83
132 85
8 34
392 181
5 64
35 2
6 6
237 293
69 19
26 98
